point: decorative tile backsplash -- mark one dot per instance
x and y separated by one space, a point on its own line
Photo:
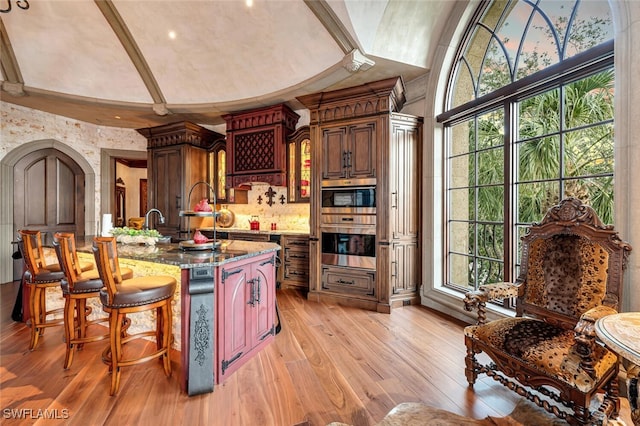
290 217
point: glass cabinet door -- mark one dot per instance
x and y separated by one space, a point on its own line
299 166
218 171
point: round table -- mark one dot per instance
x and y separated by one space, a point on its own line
621 333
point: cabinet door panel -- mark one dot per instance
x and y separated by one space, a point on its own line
404 181
167 189
263 300
362 153
405 268
334 144
234 338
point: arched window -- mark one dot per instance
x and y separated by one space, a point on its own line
528 121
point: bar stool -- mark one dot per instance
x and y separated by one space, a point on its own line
38 279
77 287
121 297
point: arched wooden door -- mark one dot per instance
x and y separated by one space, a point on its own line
49 193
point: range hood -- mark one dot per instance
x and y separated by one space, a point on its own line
256 145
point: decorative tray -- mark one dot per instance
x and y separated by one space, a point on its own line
225 218
191 245
198 214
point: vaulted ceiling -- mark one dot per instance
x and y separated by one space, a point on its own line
132 63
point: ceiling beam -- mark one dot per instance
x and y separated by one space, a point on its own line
11 74
333 25
118 25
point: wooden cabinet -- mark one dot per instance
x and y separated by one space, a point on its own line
299 166
349 281
245 306
400 202
177 159
404 274
167 177
295 261
248 236
349 150
256 145
359 136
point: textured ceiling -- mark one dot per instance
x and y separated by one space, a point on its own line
114 62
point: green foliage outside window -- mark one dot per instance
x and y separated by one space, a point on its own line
561 140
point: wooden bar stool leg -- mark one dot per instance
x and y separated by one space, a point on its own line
166 337
35 316
115 321
42 319
69 329
159 327
81 315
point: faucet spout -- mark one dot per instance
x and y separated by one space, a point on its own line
146 217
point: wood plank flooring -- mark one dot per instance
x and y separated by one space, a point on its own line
329 363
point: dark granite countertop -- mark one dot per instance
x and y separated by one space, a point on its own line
172 254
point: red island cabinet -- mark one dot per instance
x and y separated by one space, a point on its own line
245 304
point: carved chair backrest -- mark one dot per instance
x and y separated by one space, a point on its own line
106 255
65 245
30 244
570 263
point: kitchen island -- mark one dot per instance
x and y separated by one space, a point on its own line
227 306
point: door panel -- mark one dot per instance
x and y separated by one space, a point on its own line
66 205
49 193
34 192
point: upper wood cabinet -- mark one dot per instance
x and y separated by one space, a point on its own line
349 151
299 166
256 145
177 159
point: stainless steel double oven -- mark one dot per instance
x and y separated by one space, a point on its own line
348 223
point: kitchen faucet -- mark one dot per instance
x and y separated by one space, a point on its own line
146 218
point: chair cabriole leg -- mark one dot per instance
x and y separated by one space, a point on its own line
34 303
166 337
69 329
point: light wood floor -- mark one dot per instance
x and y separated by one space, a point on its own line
329 363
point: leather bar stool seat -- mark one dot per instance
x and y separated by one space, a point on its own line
121 297
87 281
78 287
139 291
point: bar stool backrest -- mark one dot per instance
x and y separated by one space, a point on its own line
30 245
65 245
106 254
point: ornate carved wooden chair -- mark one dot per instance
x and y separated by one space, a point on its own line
121 297
570 275
77 287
